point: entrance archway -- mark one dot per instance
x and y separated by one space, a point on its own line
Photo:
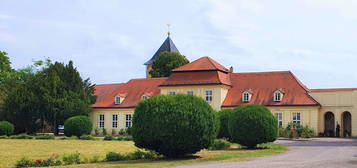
329 124
346 124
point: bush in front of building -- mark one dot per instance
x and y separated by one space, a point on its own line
224 115
174 125
251 125
77 126
296 130
6 128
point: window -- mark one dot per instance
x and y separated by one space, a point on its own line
101 121
246 96
117 100
172 93
209 95
144 97
128 120
296 118
278 96
115 121
190 92
279 117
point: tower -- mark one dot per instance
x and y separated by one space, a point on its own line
168 46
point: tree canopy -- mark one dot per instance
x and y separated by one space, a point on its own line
48 97
166 62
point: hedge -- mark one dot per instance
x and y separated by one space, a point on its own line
174 125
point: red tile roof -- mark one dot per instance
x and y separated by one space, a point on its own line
263 85
332 89
131 92
197 78
206 71
202 64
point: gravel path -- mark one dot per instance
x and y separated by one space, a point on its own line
316 153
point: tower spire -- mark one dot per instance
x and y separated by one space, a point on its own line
168 29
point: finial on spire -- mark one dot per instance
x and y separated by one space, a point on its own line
168 29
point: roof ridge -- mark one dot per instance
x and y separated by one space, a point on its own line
213 62
110 84
261 72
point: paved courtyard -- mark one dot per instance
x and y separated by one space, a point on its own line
316 153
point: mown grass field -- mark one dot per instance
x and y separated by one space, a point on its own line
12 150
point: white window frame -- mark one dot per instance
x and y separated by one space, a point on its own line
209 95
190 92
114 121
171 92
246 96
128 120
278 96
297 117
279 117
144 97
101 120
117 100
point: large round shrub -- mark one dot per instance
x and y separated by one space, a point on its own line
6 128
251 125
77 126
224 116
174 125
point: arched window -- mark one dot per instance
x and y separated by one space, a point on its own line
246 96
278 96
117 100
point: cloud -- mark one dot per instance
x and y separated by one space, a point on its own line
6 17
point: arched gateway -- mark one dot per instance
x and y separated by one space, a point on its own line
329 124
346 123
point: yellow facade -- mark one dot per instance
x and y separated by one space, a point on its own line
337 102
219 92
108 118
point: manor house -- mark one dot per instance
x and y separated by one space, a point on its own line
282 92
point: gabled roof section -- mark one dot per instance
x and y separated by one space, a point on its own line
263 86
134 89
202 64
198 78
168 45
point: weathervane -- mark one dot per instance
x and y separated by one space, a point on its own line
168 29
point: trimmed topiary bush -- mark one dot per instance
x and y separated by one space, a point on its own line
6 128
251 125
77 126
174 125
224 116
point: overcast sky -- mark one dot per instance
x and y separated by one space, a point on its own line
110 40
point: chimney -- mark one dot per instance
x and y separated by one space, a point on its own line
231 69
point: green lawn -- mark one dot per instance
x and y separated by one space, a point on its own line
12 150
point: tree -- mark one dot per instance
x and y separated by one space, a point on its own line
251 125
166 62
5 64
48 98
174 125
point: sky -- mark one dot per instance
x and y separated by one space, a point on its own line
110 40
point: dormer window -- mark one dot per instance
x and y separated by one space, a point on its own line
246 97
144 97
117 100
278 96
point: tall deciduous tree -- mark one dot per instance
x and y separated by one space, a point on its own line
49 98
166 62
